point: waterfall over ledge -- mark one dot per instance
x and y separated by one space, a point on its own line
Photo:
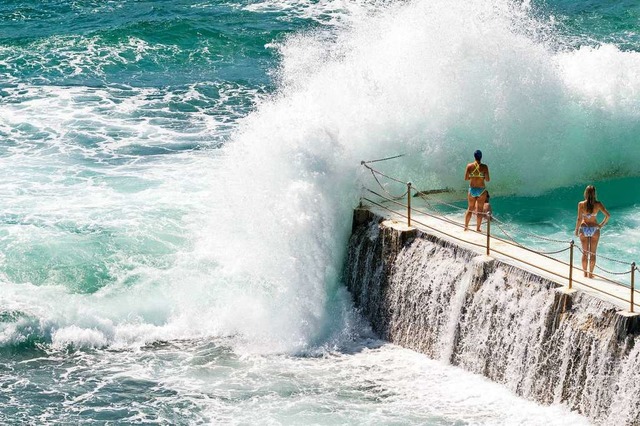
495 319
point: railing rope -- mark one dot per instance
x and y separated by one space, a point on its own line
382 159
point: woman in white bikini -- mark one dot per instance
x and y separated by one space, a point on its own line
477 174
588 228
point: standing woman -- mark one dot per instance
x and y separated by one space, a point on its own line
477 174
588 228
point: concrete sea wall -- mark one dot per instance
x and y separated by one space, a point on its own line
494 319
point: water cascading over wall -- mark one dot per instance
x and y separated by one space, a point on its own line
494 319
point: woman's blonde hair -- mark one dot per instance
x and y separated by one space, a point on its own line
590 197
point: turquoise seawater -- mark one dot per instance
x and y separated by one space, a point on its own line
177 179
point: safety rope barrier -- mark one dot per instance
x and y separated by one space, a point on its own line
374 171
531 234
418 222
538 236
501 226
514 241
385 190
603 256
588 253
383 159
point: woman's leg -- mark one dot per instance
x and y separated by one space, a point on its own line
593 248
585 252
480 208
470 210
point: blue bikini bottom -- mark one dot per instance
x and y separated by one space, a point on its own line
589 231
476 192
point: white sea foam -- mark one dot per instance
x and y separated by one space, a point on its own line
333 13
76 336
604 77
250 243
433 80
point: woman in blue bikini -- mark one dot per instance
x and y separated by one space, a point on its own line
477 174
588 228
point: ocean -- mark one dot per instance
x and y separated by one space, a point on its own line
178 177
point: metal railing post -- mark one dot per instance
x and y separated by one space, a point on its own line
488 231
409 204
633 269
571 263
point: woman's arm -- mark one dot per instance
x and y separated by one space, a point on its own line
577 221
486 175
603 209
